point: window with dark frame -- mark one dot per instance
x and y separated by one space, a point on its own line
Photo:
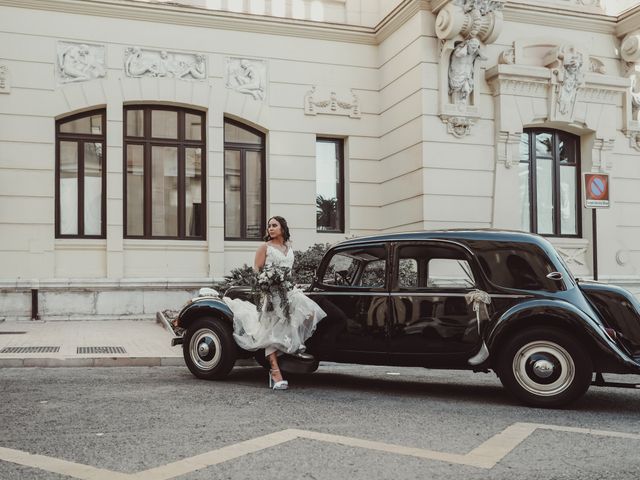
330 185
244 182
81 180
165 172
550 193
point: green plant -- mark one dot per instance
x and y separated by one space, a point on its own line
307 262
241 276
326 210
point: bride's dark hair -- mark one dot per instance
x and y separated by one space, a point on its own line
283 225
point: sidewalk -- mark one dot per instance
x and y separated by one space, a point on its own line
87 343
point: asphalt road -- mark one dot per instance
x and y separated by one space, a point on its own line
344 421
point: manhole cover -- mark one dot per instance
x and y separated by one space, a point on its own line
100 350
30 350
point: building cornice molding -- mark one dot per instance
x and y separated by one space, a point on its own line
398 17
628 21
560 18
199 17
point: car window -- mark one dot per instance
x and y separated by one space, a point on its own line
433 265
357 267
449 273
517 268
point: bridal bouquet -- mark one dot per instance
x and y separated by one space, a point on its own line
273 280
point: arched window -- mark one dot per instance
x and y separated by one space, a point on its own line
164 164
81 175
550 182
244 182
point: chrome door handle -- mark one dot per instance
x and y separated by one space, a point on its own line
554 276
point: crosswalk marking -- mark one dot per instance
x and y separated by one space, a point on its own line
484 456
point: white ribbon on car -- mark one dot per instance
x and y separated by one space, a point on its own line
480 299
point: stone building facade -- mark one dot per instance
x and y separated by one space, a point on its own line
143 144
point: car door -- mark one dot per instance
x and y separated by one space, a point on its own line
352 288
432 324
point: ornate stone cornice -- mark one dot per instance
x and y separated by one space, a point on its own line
200 17
398 17
628 21
559 17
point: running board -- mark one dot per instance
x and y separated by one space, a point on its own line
599 381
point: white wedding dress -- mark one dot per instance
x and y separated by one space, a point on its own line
253 329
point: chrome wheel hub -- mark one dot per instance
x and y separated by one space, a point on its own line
205 349
543 368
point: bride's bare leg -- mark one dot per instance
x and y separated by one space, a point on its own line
275 369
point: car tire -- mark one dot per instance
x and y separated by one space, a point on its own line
545 367
209 349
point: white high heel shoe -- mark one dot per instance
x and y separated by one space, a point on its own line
281 385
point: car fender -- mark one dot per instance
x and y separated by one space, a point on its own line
563 314
204 307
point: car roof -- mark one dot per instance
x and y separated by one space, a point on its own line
461 235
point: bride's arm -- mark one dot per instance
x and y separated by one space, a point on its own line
261 257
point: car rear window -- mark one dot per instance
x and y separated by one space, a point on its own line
520 269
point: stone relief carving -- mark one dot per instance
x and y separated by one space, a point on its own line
328 101
507 57
164 64
458 126
247 76
630 54
5 85
576 257
464 27
461 70
470 18
597 66
79 62
569 77
543 80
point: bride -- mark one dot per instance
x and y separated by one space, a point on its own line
286 320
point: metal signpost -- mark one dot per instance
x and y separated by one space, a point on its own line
596 195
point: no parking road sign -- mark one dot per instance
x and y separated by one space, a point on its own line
596 190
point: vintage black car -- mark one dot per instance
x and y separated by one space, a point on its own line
453 299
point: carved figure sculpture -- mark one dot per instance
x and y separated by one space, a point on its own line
76 64
248 80
136 65
570 77
461 65
197 70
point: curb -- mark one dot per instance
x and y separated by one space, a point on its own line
92 362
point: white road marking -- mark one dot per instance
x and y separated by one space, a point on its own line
485 456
